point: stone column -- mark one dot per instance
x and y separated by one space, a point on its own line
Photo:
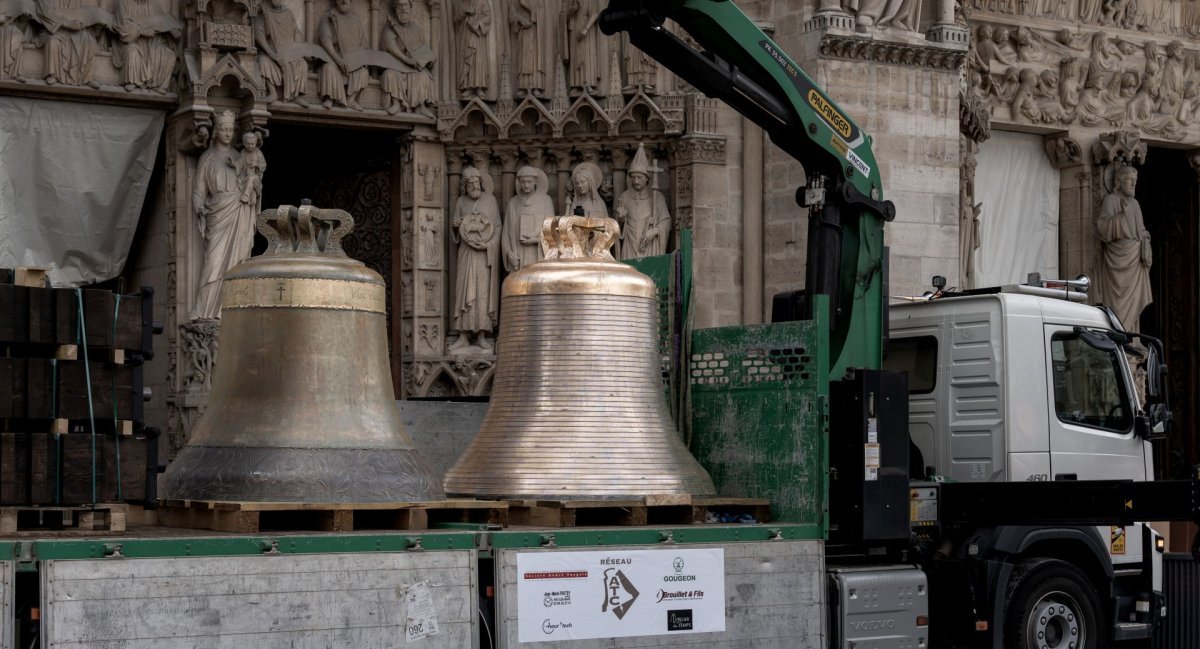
562 164
509 157
1074 206
620 162
374 24
701 187
752 223
423 271
947 29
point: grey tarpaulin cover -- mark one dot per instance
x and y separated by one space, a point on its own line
72 180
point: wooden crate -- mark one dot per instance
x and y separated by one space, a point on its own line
47 469
249 517
651 510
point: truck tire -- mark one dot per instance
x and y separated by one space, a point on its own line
1050 604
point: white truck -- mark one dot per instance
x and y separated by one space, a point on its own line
1027 383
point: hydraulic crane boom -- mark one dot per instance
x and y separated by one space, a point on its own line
740 65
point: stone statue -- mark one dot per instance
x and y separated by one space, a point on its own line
642 213
584 47
523 219
1125 251
530 22
586 179
251 165
147 57
342 81
641 70
476 230
411 88
14 31
280 59
475 25
224 213
71 46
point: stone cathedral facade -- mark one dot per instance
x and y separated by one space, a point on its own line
384 107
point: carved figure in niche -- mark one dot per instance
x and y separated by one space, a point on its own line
283 55
1174 73
642 213
225 218
430 301
1024 103
1120 13
430 242
477 285
71 47
474 18
527 209
1125 251
583 47
14 31
147 56
1070 82
412 87
251 165
988 50
1089 11
342 34
586 180
641 70
429 176
530 23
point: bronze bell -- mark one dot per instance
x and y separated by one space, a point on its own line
578 408
302 407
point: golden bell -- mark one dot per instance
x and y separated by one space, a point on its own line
302 407
578 409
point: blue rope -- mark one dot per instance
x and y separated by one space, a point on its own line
116 427
87 373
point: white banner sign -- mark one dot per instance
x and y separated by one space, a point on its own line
608 594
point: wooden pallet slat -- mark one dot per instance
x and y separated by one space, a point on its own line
254 517
651 510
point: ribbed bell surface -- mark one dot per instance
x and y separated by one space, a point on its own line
302 407
578 409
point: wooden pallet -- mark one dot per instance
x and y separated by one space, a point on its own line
81 519
251 517
651 510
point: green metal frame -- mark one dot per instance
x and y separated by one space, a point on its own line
581 538
229 546
759 414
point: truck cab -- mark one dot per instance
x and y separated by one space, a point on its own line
1019 384
1027 383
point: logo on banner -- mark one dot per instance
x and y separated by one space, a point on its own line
677 564
680 620
556 598
619 593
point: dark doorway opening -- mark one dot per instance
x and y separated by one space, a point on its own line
353 170
1167 192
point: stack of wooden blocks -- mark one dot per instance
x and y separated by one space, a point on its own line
71 397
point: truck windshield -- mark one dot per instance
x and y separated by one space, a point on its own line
1088 389
918 357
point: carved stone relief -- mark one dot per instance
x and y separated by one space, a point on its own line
1033 76
129 45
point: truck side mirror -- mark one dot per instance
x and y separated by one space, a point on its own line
1155 371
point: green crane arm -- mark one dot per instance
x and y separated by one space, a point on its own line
740 65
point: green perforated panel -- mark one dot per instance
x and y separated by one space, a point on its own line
759 414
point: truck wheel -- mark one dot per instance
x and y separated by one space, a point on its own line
1051 605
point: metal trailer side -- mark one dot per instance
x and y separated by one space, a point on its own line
774 590
362 592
